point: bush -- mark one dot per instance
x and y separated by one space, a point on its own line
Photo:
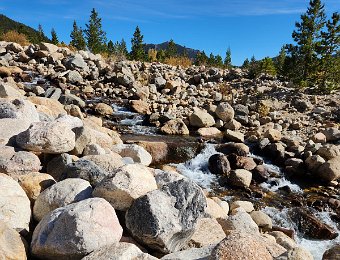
14 36
178 61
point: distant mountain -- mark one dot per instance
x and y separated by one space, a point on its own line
7 24
180 49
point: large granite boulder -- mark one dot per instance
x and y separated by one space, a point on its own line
74 231
165 219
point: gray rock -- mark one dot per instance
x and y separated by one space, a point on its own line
165 219
330 170
51 48
15 208
240 221
202 253
70 99
74 77
136 152
61 194
74 231
47 137
76 62
15 47
53 93
86 170
234 136
19 163
225 112
57 166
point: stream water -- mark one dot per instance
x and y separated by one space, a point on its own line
197 170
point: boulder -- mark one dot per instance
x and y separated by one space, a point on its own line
239 149
297 253
225 112
19 163
314 162
57 165
15 47
234 136
329 151
283 240
74 231
202 253
240 245
246 205
217 208
103 109
310 226
219 165
34 183
74 77
15 208
167 176
125 185
61 194
169 217
51 48
119 251
241 162
93 149
9 91
273 135
201 118
332 253
330 170
209 131
140 107
55 108
47 137
207 232
240 178
262 220
175 127
11 244
240 221
107 162
136 152
86 170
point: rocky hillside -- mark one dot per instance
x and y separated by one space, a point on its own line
181 50
71 189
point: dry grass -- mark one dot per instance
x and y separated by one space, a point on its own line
152 55
13 36
178 61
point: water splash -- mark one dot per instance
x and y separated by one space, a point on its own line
316 247
197 168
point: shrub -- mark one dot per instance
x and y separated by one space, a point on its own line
14 36
178 61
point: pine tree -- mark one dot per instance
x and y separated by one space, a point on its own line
201 58
94 34
267 66
54 36
254 69
218 61
110 47
123 49
329 77
280 62
171 50
245 64
160 55
308 38
77 37
41 34
137 48
227 60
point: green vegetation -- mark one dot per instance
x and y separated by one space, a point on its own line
137 48
94 34
54 37
77 37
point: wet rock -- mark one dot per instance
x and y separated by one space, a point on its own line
167 176
169 215
207 232
283 240
219 164
310 226
11 244
15 209
330 170
225 112
201 118
73 231
136 152
240 178
126 185
241 162
175 127
119 251
333 253
61 194
47 137
240 245
103 109
239 149
260 174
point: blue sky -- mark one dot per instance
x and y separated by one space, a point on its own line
258 27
